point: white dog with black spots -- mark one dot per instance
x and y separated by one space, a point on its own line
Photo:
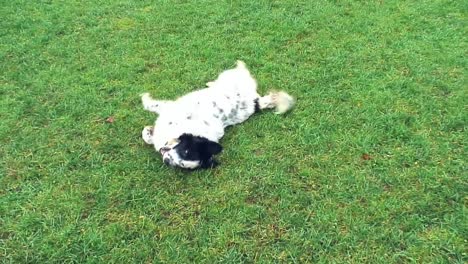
188 130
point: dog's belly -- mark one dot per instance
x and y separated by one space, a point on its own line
229 106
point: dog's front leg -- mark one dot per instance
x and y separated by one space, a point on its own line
147 134
152 105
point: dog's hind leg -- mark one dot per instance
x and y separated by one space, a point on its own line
152 105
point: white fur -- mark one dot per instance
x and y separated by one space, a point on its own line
228 100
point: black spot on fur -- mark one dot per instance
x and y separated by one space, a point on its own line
189 117
243 105
170 123
214 104
257 105
233 113
206 122
216 116
220 110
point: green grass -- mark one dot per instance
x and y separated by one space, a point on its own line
370 167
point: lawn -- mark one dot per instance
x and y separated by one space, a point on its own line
369 167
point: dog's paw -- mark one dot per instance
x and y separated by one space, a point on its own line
147 134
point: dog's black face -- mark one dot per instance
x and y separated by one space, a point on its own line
192 152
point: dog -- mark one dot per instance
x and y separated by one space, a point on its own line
187 130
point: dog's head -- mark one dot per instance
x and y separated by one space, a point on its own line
191 152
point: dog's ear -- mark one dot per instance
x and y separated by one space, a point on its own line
212 147
209 148
186 137
204 145
209 163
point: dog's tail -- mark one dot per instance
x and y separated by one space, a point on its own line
280 100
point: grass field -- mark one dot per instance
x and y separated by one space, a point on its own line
370 167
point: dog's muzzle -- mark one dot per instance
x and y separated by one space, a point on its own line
163 150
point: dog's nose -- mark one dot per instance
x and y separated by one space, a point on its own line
167 161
